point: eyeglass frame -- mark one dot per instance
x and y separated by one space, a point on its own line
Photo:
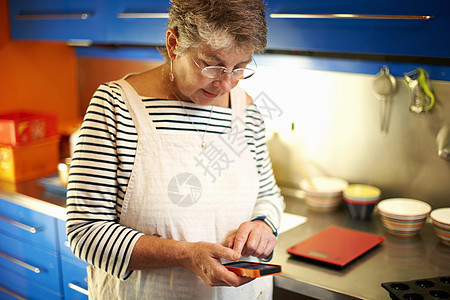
224 70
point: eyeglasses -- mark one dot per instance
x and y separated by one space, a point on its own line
218 71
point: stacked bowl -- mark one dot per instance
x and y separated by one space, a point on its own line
403 217
360 200
441 224
323 193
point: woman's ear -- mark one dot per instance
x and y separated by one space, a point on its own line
171 42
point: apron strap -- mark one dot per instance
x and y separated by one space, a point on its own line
136 107
238 103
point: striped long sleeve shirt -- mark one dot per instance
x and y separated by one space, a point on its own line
103 160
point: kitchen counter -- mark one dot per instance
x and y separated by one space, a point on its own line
396 259
33 195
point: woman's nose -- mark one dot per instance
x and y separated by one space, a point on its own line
225 82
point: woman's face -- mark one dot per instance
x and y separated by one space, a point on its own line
192 86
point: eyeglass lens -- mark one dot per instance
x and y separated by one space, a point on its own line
216 71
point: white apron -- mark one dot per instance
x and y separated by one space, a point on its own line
179 191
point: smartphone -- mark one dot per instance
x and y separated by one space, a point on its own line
253 269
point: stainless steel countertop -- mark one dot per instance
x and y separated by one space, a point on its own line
395 259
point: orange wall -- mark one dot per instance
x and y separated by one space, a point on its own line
39 76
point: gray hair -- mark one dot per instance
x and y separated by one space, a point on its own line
221 24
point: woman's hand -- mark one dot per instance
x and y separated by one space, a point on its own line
252 239
203 258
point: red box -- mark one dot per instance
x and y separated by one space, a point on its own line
21 127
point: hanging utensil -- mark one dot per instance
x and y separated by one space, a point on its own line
443 142
384 86
421 99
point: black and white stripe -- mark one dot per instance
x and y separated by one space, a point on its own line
103 160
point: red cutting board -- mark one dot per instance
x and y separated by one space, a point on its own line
336 245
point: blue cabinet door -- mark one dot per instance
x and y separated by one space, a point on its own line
74 279
30 262
403 27
74 273
15 286
26 224
138 22
58 19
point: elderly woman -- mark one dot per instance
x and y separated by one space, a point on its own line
171 176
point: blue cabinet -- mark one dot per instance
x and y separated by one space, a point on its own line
73 269
33 263
35 259
74 279
138 22
16 287
25 224
29 253
58 19
99 21
403 27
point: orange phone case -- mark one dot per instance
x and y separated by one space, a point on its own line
254 269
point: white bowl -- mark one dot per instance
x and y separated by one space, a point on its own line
404 208
441 215
323 186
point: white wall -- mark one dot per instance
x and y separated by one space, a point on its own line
337 131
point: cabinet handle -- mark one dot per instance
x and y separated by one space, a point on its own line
21 263
78 288
82 16
143 15
19 225
349 16
14 295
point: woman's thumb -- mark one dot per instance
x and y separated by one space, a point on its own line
230 254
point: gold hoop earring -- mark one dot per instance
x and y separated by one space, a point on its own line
171 77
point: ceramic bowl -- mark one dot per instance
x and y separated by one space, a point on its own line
323 193
443 235
323 186
323 204
360 200
404 208
403 217
360 211
441 224
361 193
441 217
